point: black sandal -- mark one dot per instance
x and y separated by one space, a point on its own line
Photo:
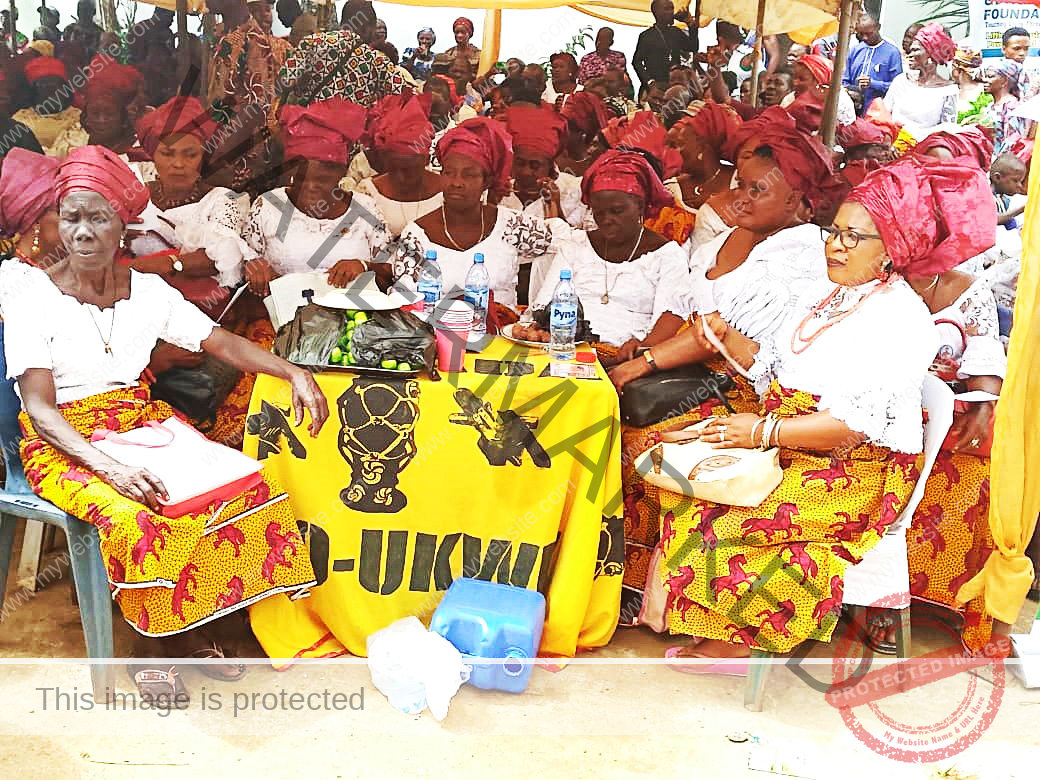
156 683
211 670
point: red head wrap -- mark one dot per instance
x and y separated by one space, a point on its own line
712 122
772 116
807 112
821 68
112 78
855 171
324 131
803 161
26 189
644 131
401 124
485 141
587 112
932 214
97 169
626 172
969 143
456 99
860 133
936 42
462 21
178 116
878 115
536 129
41 67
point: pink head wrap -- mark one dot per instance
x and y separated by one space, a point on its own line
97 169
401 124
626 172
486 142
324 131
821 68
178 116
936 42
932 214
26 190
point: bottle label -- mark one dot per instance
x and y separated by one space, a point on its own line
564 315
478 299
431 293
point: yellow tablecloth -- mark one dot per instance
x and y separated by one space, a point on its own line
412 483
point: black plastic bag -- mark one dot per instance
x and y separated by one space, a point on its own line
197 391
310 336
395 335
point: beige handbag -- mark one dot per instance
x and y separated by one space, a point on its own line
734 476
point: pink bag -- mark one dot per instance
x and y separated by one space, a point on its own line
655 596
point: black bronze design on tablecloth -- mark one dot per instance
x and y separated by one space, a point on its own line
504 435
270 424
610 559
377 440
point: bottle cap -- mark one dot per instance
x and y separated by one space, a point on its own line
431 254
565 273
478 258
585 357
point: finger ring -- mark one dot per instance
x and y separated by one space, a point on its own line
975 442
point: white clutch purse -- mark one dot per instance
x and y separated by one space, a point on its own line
733 476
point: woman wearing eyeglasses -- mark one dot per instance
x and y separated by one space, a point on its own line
841 381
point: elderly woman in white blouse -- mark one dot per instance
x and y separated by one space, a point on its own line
77 338
312 224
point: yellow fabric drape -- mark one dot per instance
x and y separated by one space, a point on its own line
1007 575
492 40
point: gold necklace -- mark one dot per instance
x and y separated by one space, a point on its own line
605 298
111 328
444 222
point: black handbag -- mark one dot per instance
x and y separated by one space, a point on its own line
651 399
197 391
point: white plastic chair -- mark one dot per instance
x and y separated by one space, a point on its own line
884 572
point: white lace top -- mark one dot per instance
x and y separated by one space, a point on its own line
513 236
638 289
576 213
867 368
398 213
758 295
979 351
70 340
293 242
707 225
214 224
921 109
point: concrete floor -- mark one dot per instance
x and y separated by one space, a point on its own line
613 713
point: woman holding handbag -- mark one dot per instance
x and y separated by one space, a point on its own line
77 337
843 407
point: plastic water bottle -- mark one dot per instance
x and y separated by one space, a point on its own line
563 318
478 294
430 287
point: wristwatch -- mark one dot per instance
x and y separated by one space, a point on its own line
648 356
176 265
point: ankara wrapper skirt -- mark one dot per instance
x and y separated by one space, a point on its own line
171 574
642 502
950 540
770 577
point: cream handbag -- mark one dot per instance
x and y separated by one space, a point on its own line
734 476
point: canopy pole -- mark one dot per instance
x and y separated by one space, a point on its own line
183 51
829 122
208 26
757 55
14 27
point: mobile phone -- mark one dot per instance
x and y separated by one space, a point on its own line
503 367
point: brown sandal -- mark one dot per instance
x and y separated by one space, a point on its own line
157 684
211 670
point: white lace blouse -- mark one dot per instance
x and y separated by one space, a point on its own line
398 213
214 224
969 333
707 226
513 237
293 242
637 290
69 339
921 110
575 212
758 295
867 368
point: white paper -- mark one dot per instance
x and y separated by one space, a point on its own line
287 294
976 396
189 466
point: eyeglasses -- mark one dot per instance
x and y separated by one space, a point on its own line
849 238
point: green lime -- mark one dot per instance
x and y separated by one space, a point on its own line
344 341
360 317
336 356
402 366
388 363
351 360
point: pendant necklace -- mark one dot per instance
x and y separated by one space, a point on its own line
111 329
605 298
444 222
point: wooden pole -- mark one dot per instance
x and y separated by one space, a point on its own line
14 27
829 122
208 25
107 12
183 51
757 56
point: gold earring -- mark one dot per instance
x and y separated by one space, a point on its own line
35 250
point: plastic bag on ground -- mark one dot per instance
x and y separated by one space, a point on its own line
415 668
